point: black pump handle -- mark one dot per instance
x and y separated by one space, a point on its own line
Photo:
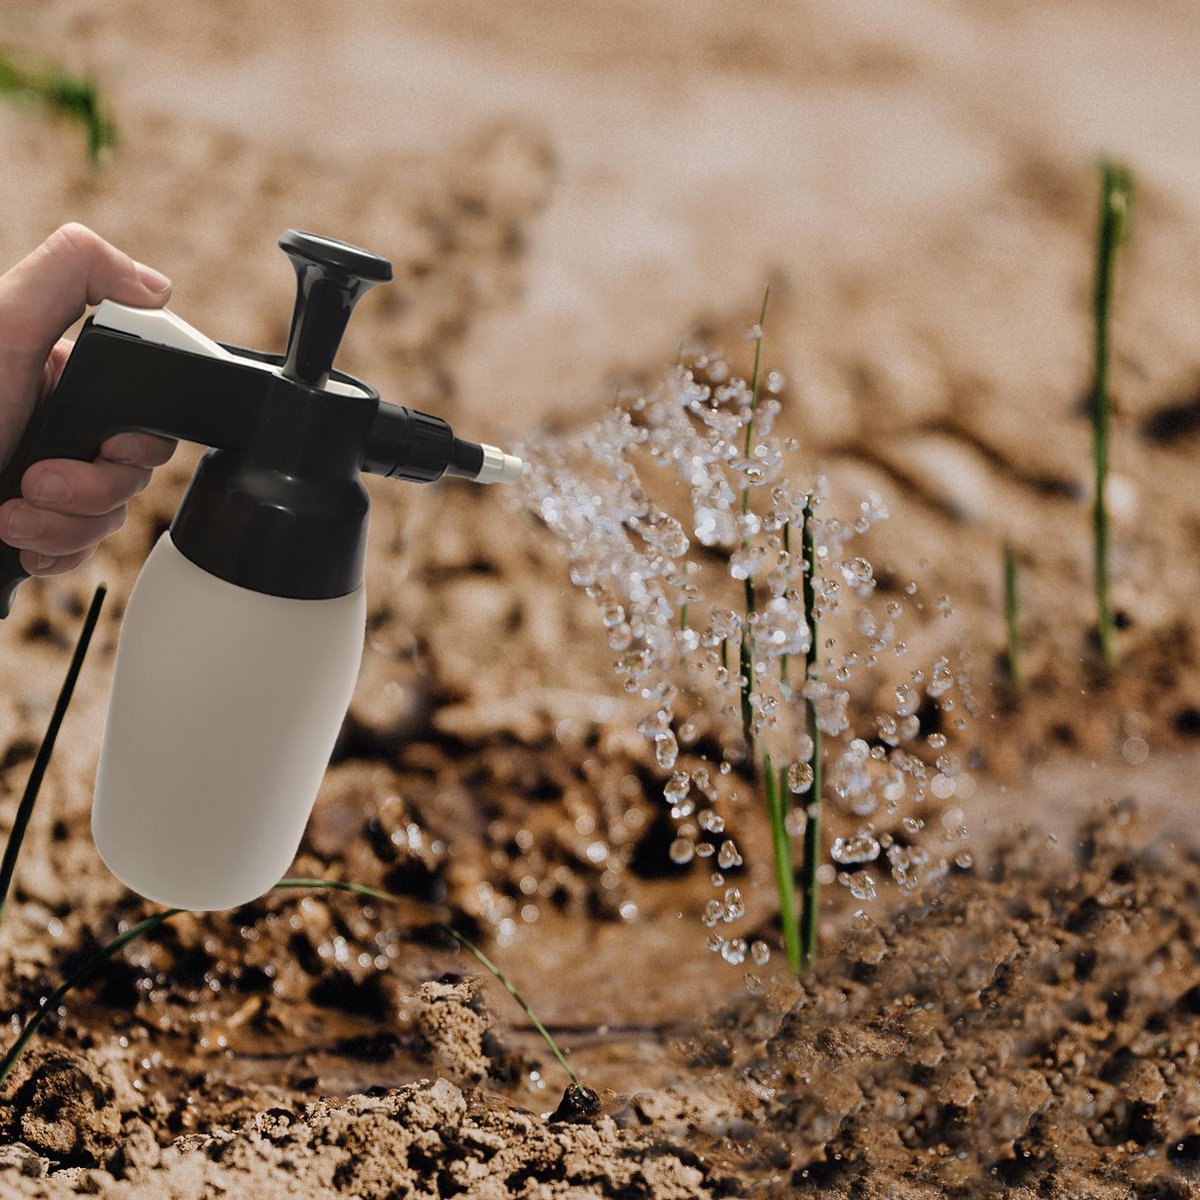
331 277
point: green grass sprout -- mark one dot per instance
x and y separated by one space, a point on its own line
1012 616
812 826
8 864
783 662
72 96
1116 196
50 1003
747 653
775 789
778 802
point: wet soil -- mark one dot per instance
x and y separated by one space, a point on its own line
1026 1027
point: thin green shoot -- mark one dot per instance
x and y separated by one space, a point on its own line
465 942
1012 616
1116 196
762 317
50 1003
70 95
8 864
746 663
79 977
812 826
783 662
778 802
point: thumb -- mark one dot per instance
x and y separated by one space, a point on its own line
46 292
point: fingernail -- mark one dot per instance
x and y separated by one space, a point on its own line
24 524
51 488
154 281
43 561
124 449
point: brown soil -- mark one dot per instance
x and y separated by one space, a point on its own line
563 200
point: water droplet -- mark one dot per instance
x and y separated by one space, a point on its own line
862 885
620 638
677 787
857 572
942 786
681 851
734 951
614 615
760 953
800 777
941 678
666 750
724 623
728 856
703 780
1135 750
711 821
862 847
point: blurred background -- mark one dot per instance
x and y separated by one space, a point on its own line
569 192
566 190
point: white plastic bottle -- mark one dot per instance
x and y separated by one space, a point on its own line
243 636
225 707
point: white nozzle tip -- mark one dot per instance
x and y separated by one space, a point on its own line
499 467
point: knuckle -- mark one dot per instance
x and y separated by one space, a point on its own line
74 237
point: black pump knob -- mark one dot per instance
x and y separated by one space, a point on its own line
330 278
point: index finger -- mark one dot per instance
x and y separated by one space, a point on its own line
138 449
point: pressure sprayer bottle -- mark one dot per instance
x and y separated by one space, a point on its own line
244 632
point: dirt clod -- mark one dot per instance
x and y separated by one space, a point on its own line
61 1105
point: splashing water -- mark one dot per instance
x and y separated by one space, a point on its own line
674 512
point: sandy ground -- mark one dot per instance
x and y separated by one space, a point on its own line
567 192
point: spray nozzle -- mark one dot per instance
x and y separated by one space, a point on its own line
406 444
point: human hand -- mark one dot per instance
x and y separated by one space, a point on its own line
67 507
